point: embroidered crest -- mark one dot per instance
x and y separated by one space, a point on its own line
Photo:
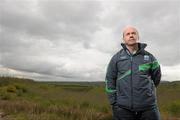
146 57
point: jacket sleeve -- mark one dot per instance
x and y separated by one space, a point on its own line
155 71
111 76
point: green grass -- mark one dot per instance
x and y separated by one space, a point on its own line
24 99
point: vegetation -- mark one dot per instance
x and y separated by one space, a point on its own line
24 99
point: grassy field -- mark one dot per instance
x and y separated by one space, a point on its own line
22 99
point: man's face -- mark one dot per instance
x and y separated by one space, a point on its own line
130 36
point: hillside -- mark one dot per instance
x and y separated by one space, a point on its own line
24 99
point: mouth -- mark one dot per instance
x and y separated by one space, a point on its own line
132 39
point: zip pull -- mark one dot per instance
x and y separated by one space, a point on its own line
129 54
131 58
136 113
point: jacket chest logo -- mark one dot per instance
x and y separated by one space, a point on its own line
123 57
146 57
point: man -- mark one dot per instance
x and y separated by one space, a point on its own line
131 80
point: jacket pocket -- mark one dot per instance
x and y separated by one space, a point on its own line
147 83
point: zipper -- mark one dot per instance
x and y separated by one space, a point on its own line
131 83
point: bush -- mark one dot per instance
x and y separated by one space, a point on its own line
21 88
5 96
11 88
3 82
174 108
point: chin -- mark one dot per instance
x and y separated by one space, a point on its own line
132 44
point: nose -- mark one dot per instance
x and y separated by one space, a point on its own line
131 36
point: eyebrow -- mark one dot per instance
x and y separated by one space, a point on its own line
136 31
131 33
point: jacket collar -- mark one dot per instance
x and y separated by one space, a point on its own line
141 47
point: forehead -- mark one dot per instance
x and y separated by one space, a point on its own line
129 30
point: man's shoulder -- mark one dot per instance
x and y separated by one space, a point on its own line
149 54
118 54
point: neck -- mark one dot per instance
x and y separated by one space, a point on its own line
132 48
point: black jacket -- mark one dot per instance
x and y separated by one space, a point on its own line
131 79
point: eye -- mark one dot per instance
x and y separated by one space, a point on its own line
127 34
134 33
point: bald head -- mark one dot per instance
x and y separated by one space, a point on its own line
130 27
130 35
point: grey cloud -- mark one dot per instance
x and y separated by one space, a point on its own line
56 19
77 20
157 21
22 31
32 64
25 23
34 34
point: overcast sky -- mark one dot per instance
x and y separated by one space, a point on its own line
74 40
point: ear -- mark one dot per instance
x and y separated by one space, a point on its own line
123 39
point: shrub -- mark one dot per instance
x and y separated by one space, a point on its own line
3 82
5 96
21 88
11 88
174 108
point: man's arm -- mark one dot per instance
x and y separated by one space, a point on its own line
155 71
111 77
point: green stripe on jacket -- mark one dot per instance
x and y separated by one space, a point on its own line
108 90
152 65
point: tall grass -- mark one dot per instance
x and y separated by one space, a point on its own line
23 99
33 110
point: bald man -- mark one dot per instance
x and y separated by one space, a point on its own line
131 80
